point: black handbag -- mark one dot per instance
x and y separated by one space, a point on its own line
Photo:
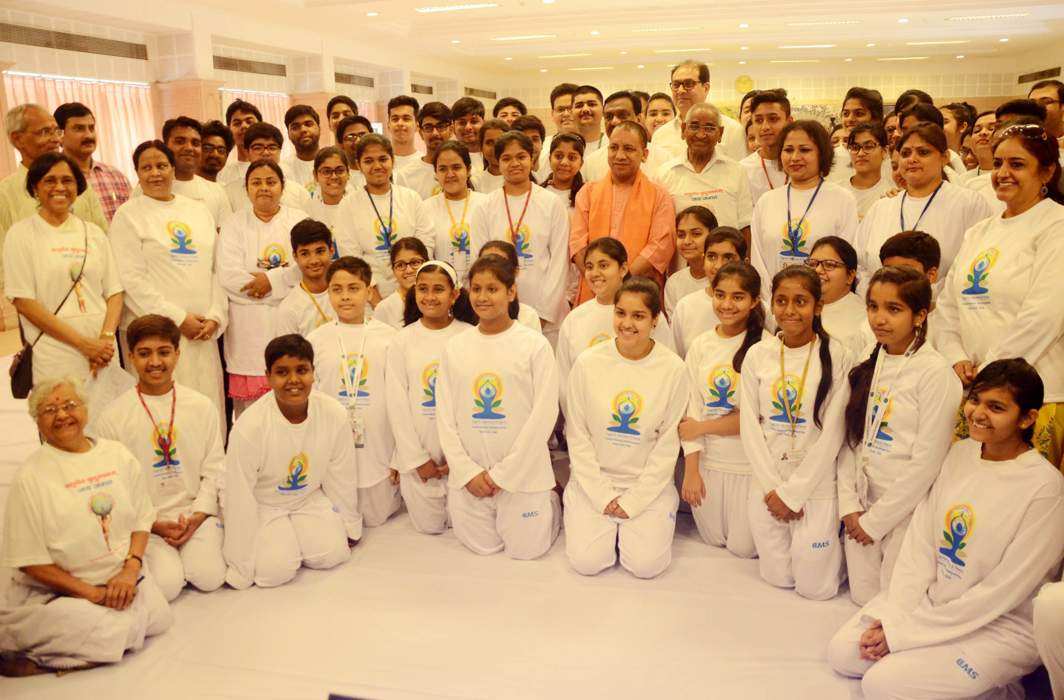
21 369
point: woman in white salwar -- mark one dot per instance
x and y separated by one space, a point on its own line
165 247
76 526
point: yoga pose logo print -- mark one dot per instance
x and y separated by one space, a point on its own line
721 381
298 470
272 257
795 238
625 411
181 239
960 521
487 396
788 409
979 272
383 235
428 384
361 381
164 445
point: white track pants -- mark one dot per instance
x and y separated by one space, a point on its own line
313 536
525 525
199 561
723 519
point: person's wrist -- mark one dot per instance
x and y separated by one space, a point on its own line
135 561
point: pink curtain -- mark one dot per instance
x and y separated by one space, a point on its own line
123 111
273 105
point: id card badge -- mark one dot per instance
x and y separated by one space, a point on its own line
358 427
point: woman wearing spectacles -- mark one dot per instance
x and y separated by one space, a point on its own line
332 182
75 530
264 142
1002 298
867 146
407 255
844 317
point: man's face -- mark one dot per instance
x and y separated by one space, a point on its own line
562 113
350 138
434 132
187 146
1049 98
339 112
687 89
588 110
617 111
304 133
39 136
467 129
214 154
626 154
79 137
401 123
240 123
702 131
265 148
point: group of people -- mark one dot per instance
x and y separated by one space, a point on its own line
834 355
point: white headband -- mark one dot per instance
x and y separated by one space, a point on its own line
446 267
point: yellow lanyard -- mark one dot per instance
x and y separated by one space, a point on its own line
465 209
792 419
314 301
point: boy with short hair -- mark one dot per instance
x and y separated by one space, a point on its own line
290 493
175 434
307 306
352 352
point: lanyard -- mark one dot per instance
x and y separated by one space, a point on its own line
465 209
792 420
386 231
798 226
345 376
314 301
875 418
901 212
515 230
768 178
166 444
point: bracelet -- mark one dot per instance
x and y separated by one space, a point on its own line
107 334
134 556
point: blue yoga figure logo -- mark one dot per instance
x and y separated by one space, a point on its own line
298 472
383 235
428 384
522 240
795 238
979 272
180 238
960 521
460 239
786 402
626 408
721 381
487 396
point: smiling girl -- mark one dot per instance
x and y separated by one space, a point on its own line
451 211
843 315
693 224
407 255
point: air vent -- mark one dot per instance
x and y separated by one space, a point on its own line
243 66
476 92
352 79
46 38
1039 75
421 89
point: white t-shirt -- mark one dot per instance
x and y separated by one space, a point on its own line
366 232
185 478
597 166
233 170
846 320
527 316
622 425
246 244
588 325
764 175
293 195
210 194
1003 297
76 510
302 311
300 171
915 403
450 223
722 187
402 162
797 461
776 244
328 214
680 284
420 177
732 144
497 402
694 315
865 198
390 310
365 347
542 243
714 393
411 376
486 183
985 187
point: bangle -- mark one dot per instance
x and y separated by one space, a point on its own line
134 556
107 334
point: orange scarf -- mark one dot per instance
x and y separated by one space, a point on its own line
635 225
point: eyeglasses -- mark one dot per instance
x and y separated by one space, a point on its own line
866 147
265 148
828 265
208 149
408 264
439 127
332 172
685 84
709 129
53 410
564 110
352 137
47 132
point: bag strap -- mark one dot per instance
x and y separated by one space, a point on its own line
70 291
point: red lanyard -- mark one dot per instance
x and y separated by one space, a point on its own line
786 178
514 231
165 443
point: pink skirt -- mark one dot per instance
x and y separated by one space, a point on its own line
247 388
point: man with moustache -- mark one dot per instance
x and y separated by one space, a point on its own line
587 111
217 142
689 82
467 115
621 107
304 131
184 136
77 127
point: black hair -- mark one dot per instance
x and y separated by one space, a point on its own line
517 137
562 90
1020 379
916 245
239 105
509 102
637 129
633 100
662 96
748 96
702 214
464 106
292 345
703 70
372 139
489 125
158 146
588 89
964 113
839 127
410 243
931 133
876 130
152 326
296 111
774 96
40 167
578 144
820 138
216 128
506 251
355 266
461 311
1021 108
328 152
437 110
71 110
872 100
811 281
726 234
749 282
530 122
923 112
1036 141
403 101
645 287
915 291
346 122
611 248
844 250
911 97
262 130
263 163
1049 83
504 269
341 99
307 232
187 122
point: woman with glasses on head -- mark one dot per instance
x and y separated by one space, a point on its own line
867 148
1002 297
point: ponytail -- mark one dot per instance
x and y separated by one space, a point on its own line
749 282
826 371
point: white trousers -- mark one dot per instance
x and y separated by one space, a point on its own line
67 632
804 554
983 664
199 561
593 538
869 567
379 502
313 536
723 519
524 525
1049 633
426 502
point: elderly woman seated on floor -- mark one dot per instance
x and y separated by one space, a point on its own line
74 533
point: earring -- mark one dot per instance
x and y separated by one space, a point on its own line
1045 190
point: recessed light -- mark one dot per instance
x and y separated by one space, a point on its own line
936 43
524 37
593 68
904 58
849 60
456 8
744 25
827 23
960 55
744 48
564 55
654 30
640 66
508 58
594 32
372 14
806 46
869 46
1004 40
456 41
548 2
742 63
972 18
542 70
903 20
704 48
624 53
797 60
